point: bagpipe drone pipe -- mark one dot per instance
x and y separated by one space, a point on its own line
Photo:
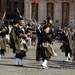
63 36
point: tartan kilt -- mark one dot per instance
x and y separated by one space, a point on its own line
21 52
38 52
3 43
48 51
52 51
45 53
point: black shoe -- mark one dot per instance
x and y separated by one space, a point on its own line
44 67
17 65
65 61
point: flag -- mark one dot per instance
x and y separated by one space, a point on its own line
35 1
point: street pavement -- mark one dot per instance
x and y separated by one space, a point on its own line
31 67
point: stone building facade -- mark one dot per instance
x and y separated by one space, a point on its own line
62 11
10 6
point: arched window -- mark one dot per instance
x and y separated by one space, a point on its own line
8 5
0 5
23 7
65 13
50 9
34 11
15 5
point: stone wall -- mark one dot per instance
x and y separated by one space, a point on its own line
42 10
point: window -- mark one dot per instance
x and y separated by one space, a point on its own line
0 5
35 11
23 7
50 9
65 13
15 5
8 5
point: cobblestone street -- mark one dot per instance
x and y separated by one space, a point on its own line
31 67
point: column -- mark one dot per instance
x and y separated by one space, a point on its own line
42 11
72 12
57 14
27 8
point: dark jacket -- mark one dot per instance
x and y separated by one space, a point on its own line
45 51
46 37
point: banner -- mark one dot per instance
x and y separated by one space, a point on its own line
35 1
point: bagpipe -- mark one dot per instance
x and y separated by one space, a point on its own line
61 33
4 26
63 36
3 30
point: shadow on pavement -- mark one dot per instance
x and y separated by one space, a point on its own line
20 66
56 64
61 64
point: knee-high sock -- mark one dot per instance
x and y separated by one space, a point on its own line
17 61
68 55
66 58
44 63
14 55
20 63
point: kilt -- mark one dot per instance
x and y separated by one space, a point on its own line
20 54
3 43
38 52
48 51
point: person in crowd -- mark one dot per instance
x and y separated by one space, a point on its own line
46 46
73 32
20 41
12 42
3 32
33 39
67 46
38 48
59 29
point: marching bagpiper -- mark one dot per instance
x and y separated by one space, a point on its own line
20 41
67 46
3 32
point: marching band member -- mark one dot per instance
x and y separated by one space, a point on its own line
3 32
20 41
67 47
46 46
